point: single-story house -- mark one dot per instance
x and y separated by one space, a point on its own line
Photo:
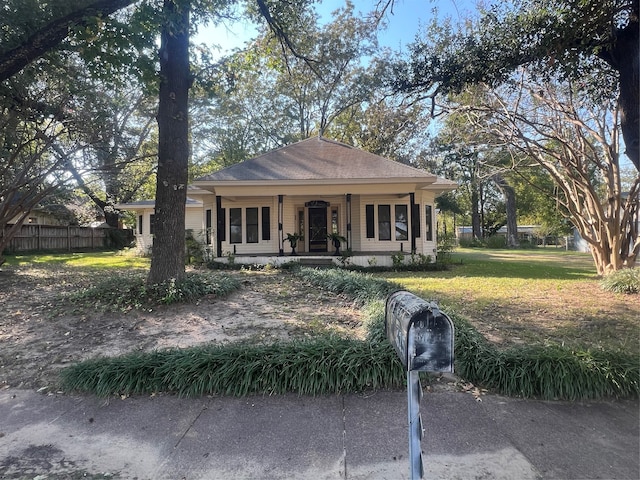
525 232
312 188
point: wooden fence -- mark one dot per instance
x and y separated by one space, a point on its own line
53 237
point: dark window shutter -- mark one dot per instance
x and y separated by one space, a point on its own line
371 232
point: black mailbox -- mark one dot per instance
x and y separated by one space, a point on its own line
421 334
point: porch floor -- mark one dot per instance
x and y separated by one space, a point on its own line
364 259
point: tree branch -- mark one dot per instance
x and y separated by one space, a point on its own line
48 36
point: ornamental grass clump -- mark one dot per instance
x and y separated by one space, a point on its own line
551 372
626 281
308 367
124 292
363 288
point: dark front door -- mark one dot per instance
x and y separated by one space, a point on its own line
317 229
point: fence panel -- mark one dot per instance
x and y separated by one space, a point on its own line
61 238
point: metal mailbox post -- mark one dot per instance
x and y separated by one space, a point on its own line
423 338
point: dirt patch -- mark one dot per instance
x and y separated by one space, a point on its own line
39 336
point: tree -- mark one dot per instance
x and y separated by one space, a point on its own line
595 43
265 97
116 157
32 28
463 152
385 126
577 142
46 28
27 171
167 257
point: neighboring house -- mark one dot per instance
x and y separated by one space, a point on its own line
527 233
314 187
48 215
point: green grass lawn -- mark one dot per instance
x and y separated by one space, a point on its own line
92 260
557 333
531 297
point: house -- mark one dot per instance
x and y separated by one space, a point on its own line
145 211
313 188
527 233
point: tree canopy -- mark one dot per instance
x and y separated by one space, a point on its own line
593 42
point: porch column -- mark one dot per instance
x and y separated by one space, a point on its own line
219 226
412 209
280 219
348 221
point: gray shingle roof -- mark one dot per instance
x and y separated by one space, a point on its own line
317 158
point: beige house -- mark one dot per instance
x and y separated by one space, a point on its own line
145 211
314 188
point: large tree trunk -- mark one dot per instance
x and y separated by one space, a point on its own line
624 56
168 253
476 221
510 203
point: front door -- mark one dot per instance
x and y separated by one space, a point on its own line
317 229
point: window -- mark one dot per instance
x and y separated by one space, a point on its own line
152 228
140 217
235 225
384 222
252 225
402 223
207 226
334 221
266 223
429 223
371 233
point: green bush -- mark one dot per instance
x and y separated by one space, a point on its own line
363 288
471 243
496 241
127 292
626 280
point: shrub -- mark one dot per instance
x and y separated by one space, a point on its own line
397 259
626 280
471 243
363 288
127 292
496 241
195 250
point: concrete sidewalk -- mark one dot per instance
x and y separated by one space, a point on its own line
329 437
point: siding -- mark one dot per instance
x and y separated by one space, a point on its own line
244 248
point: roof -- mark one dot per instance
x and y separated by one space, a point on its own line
318 158
152 203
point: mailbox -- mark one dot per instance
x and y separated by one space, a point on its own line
421 334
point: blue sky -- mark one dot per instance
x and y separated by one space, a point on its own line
408 16
405 21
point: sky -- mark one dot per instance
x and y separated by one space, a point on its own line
404 22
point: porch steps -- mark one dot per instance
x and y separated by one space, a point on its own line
316 262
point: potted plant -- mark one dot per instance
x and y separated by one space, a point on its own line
337 240
293 239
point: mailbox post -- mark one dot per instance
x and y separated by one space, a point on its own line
423 338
